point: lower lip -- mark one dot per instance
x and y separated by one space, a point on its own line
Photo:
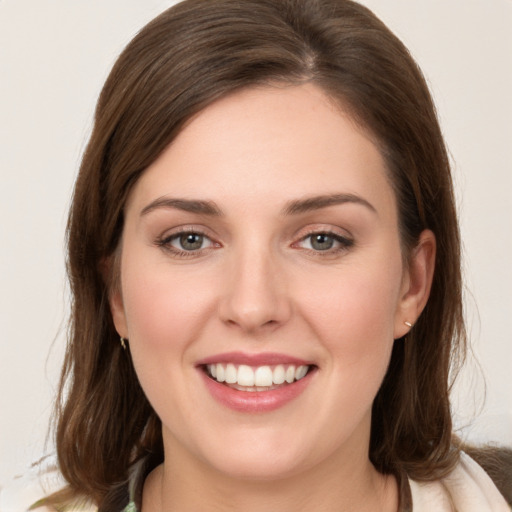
255 401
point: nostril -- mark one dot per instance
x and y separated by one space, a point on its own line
251 320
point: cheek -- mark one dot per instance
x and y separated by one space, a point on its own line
163 306
165 311
358 300
354 318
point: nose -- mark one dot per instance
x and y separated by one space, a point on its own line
256 297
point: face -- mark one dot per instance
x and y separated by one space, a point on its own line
262 250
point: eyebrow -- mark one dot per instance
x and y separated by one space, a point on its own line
187 205
294 207
309 204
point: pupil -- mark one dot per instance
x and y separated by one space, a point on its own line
191 241
322 242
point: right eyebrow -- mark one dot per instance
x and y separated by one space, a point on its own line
187 205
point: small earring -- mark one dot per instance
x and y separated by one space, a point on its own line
408 324
123 342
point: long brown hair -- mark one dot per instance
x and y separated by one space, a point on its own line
189 56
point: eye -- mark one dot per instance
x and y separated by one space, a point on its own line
186 243
321 242
325 242
189 241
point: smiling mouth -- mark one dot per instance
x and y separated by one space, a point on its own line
256 378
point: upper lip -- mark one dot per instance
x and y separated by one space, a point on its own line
261 359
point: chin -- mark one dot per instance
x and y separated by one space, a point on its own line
264 456
262 467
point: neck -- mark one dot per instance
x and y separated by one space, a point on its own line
187 484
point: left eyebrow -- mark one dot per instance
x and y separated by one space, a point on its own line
309 204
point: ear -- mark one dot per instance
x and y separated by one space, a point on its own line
416 283
109 269
118 314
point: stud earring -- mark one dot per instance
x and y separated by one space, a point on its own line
408 324
123 342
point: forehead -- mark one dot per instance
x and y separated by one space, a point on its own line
269 145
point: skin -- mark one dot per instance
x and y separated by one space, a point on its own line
257 284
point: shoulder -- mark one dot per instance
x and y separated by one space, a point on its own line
24 492
468 487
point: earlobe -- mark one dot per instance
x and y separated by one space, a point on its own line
417 283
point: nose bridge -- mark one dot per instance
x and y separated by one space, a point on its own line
256 296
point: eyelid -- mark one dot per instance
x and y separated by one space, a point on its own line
184 231
187 228
327 229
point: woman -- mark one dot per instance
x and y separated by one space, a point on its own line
264 260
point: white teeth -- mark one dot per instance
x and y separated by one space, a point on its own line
256 379
220 373
300 372
245 375
278 375
263 376
231 374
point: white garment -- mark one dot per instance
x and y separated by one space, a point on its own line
468 488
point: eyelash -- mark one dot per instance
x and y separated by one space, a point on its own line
166 241
344 243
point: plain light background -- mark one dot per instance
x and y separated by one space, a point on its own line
54 58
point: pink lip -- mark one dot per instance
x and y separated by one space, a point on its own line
264 358
254 401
